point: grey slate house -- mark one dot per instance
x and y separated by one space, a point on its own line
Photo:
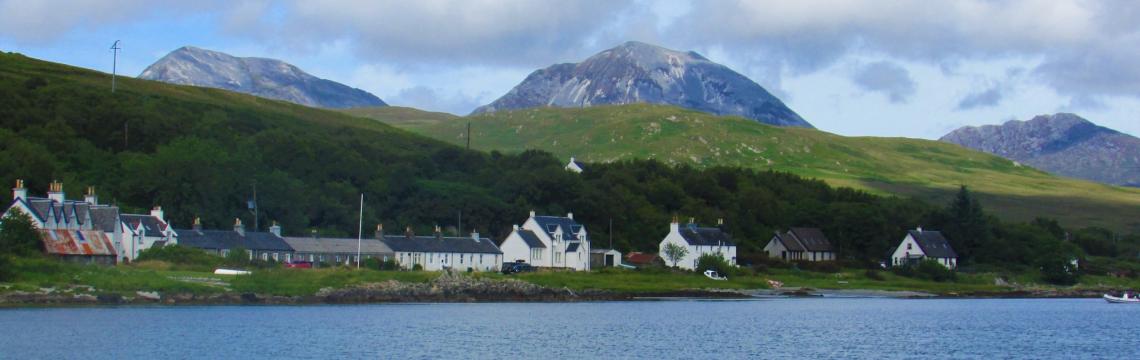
800 244
259 245
924 244
438 252
338 250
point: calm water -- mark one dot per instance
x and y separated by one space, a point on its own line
780 328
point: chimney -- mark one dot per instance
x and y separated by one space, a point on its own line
408 232
55 191
692 220
275 229
674 227
197 223
91 198
19 192
720 222
239 227
379 231
570 215
157 212
438 232
532 213
919 229
475 236
515 227
313 233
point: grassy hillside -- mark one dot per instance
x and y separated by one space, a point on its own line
925 169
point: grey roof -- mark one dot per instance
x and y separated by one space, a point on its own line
548 223
933 244
151 224
705 236
602 251
812 239
404 243
789 242
531 239
41 207
572 247
104 218
336 245
229 239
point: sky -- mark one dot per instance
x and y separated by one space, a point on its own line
859 68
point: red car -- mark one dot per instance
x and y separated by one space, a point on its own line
299 264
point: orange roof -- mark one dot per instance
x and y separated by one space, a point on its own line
77 242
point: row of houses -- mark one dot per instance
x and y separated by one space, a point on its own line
87 231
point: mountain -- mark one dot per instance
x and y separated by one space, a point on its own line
636 72
925 169
1063 144
262 77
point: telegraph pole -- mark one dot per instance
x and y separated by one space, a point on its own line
114 63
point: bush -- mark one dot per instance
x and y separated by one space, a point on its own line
6 272
717 262
179 255
1058 270
874 275
18 236
236 257
927 270
417 267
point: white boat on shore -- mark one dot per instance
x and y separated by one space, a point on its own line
1124 299
712 274
230 272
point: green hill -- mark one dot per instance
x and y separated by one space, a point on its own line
924 169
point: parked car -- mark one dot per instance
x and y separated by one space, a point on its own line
299 264
516 267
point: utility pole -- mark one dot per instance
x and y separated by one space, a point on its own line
468 135
459 226
611 233
114 63
360 230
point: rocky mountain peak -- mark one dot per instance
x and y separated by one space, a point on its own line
636 72
269 78
1064 144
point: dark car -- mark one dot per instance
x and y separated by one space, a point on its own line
515 267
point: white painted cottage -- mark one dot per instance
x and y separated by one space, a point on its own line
924 244
549 241
575 166
698 241
438 252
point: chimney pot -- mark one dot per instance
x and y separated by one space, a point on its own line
56 191
197 223
570 215
19 192
515 227
532 213
275 229
238 227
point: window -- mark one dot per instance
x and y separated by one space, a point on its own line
908 246
460 259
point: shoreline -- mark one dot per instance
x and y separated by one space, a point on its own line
369 294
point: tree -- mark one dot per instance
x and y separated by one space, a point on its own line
674 253
18 235
968 227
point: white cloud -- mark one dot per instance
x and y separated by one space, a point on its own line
885 77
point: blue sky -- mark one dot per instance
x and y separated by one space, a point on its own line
859 67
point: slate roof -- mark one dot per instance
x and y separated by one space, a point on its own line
572 247
933 244
531 239
104 218
404 243
705 236
229 239
152 224
812 239
789 242
568 225
336 245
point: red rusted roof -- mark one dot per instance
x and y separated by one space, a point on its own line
77 242
637 258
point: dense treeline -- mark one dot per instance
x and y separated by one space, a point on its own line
200 152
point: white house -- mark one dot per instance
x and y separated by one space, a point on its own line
549 241
438 252
924 244
807 244
336 250
129 234
575 166
698 241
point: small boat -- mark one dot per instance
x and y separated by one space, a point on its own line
230 272
712 274
1126 298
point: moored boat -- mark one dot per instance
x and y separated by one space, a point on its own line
1125 298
